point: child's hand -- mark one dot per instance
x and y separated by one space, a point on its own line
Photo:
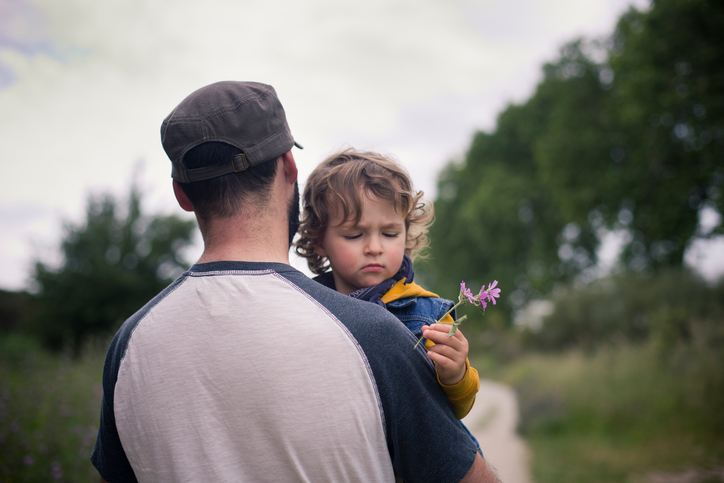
448 353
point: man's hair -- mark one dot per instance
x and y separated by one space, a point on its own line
339 182
225 196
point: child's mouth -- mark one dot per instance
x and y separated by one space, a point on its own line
374 268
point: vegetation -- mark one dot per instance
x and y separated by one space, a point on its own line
113 263
624 375
663 310
614 399
625 134
49 410
622 411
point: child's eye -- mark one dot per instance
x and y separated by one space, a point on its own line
351 237
390 235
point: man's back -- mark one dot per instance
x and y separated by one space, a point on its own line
252 372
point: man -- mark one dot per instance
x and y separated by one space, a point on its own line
244 369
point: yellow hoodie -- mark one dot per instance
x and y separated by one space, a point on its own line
462 394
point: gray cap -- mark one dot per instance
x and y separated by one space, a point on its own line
247 115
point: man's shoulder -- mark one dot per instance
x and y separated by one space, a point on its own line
344 307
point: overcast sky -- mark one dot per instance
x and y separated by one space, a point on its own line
84 86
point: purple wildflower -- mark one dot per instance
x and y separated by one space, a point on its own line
467 293
492 292
483 297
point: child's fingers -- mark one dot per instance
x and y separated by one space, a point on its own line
444 363
443 328
453 352
454 348
438 333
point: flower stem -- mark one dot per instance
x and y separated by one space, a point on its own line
452 330
455 325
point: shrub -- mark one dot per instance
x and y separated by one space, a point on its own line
629 309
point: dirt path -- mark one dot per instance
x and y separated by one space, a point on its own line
493 420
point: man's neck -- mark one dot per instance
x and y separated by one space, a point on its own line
245 240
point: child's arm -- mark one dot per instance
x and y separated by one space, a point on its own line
457 378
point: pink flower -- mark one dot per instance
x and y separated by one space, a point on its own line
492 293
480 302
467 293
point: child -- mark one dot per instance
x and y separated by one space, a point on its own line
362 218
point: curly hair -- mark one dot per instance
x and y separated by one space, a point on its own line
340 181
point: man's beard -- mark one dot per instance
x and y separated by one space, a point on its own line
293 214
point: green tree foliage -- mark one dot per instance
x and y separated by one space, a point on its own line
492 218
113 263
668 122
625 134
16 309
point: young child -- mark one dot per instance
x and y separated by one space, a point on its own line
362 218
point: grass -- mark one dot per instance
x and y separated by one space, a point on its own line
621 412
626 378
596 413
609 416
49 410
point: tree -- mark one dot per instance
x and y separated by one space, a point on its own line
505 213
16 309
623 134
112 264
668 103
492 219
641 149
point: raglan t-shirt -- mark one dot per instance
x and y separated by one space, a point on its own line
253 372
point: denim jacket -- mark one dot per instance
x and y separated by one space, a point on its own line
415 312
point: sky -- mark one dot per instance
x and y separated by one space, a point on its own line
84 86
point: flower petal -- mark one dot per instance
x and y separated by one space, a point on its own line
493 293
467 293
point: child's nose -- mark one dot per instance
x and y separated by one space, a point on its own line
373 247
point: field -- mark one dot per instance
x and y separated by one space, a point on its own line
49 410
616 411
618 415
606 398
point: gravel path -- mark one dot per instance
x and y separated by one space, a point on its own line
493 420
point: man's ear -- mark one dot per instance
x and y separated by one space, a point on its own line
290 167
183 200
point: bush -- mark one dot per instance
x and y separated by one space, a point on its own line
16 310
16 348
629 309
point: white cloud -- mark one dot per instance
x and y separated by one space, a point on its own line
412 77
